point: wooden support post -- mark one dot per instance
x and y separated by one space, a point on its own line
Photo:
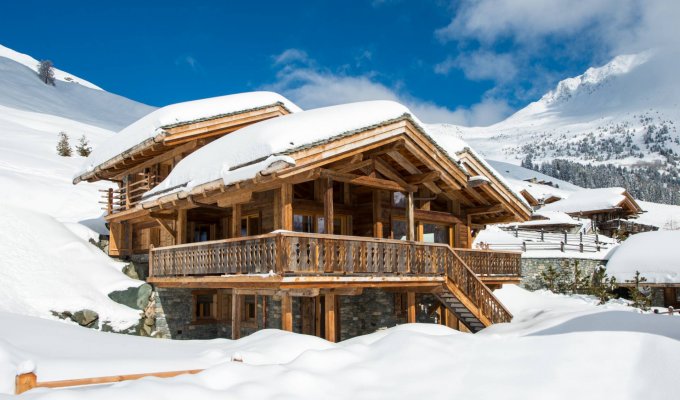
235 315
329 303
377 214
317 316
115 238
25 382
410 219
286 204
411 307
236 220
287 312
181 227
328 205
109 202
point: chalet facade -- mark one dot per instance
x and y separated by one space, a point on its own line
332 222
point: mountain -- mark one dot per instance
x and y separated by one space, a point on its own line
622 114
32 114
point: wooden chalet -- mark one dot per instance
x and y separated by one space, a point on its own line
332 222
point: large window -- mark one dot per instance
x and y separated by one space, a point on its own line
399 199
399 229
205 306
435 233
310 223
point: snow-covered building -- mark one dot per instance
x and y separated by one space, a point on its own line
656 256
253 214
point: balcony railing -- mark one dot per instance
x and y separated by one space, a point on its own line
301 254
129 194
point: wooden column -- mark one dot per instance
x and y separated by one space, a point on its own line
235 315
236 220
181 227
410 219
377 214
283 208
115 238
411 307
286 312
328 205
329 304
25 382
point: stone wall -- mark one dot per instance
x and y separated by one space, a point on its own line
532 268
368 312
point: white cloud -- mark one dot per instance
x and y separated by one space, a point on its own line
290 56
481 65
313 87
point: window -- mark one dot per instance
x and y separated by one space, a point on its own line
205 306
303 223
249 313
400 304
315 224
399 229
435 233
250 225
202 233
399 199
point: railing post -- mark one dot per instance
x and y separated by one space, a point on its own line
566 240
25 382
109 201
562 247
542 235
151 260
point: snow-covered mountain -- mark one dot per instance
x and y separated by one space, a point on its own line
47 264
625 112
32 114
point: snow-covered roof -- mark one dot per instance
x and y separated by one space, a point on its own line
589 200
550 218
663 216
242 154
155 123
655 254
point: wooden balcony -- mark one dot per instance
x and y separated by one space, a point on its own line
315 257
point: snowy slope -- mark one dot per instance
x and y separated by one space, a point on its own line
71 97
557 347
599 116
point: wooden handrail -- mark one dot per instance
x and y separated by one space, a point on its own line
28 381
293 253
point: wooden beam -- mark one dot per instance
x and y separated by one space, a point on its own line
437 216
235 315
411 307
229 199
157 215
286 194
181 226
354 166
387 171
496 208
164 224
328 205
236 220
418 179
329 306
377 214
410 217
367 181
286 312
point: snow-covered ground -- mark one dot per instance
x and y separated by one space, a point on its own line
557 347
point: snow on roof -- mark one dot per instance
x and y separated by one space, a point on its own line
154 123
663 216
655 254
589 200
242 154
494 235
551 218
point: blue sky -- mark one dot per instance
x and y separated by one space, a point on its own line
463 62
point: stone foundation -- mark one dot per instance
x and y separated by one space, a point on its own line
532 268
362 314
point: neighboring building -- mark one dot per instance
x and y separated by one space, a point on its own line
332 222
656 255
604 207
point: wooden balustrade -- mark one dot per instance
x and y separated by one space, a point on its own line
128 195
491 262
288 253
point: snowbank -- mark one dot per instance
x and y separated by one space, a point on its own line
552 218
548 351
663 216
154 123
46 267
655 254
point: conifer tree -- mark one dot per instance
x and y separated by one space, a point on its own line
603 286
83 147
46 72
550 278
640 300
63 146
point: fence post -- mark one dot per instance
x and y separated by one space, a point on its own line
516 231
25 382
565 237
562 247
580 246
542 235
524 246
109 202
580 237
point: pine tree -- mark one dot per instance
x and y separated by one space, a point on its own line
83 148
602 286
550 278
640 300
63 146
46 72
